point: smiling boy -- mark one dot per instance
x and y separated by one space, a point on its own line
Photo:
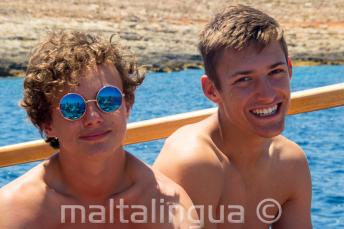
78 91
235 161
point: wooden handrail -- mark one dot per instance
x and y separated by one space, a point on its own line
301 102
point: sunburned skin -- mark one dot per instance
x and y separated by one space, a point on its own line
90 171
235 161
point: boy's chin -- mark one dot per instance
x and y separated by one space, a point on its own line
270 133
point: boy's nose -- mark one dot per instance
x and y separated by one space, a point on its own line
93 115
265 91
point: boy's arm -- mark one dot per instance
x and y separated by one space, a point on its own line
296 211
186 163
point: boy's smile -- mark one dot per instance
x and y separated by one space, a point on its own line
96 131
266 112
255 88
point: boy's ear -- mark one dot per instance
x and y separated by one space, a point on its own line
48 130
128 108
209 89
290 67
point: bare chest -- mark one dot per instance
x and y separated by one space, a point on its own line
251 201
115 213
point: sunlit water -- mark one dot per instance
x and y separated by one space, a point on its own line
320 133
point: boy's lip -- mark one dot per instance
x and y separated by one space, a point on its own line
94 135
266 108
257 107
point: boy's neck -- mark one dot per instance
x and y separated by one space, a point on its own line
243 149
92 180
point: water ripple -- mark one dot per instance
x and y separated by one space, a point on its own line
319 133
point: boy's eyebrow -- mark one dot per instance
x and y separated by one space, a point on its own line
278 63
247 72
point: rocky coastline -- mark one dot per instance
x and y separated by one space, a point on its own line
164 34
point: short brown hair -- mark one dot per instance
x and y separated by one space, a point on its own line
59 60
235 28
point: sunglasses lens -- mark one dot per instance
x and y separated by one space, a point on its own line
72 106
109 99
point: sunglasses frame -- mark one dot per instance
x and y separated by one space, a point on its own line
90 100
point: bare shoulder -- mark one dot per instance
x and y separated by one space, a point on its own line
189 158
174 195
291 162
291 171
189 145
152 184
22 199
154 188
288 151
24 187
189 142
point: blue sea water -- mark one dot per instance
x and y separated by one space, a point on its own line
319 133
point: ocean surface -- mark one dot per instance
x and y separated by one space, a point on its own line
320 134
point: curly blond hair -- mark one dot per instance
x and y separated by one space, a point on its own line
58 61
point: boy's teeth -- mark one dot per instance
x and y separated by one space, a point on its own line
265 111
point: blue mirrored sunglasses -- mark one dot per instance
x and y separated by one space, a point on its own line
73 106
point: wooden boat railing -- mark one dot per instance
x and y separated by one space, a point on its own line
149 130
